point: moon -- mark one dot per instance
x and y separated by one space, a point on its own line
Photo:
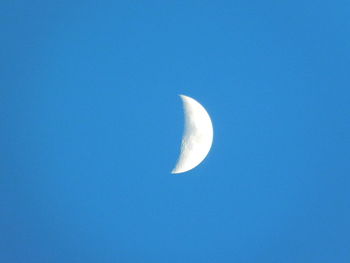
197 137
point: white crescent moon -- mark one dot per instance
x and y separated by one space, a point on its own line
197 137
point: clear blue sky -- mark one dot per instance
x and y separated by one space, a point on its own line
91 125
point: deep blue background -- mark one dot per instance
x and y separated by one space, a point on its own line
91 125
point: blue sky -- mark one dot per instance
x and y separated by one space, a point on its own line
91 126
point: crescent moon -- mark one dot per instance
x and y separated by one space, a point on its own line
197 137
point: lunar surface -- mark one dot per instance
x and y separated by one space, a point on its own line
197 137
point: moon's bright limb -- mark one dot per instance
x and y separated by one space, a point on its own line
197 138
